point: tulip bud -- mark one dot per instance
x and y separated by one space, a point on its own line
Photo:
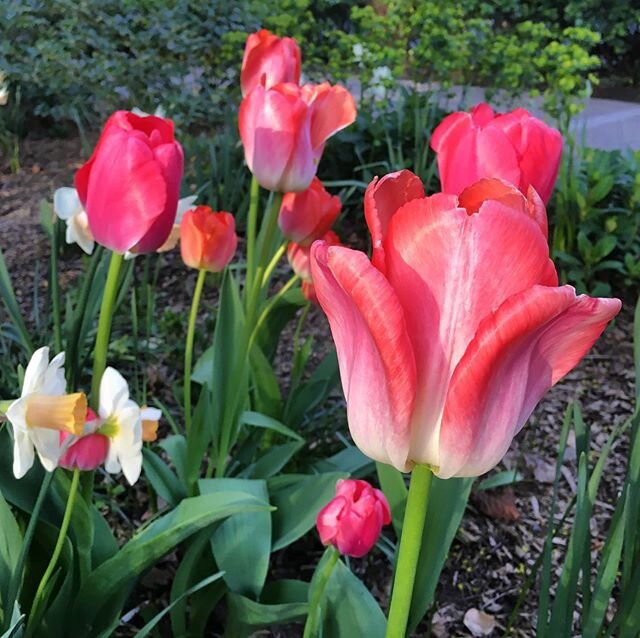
129 188
208 240
308 215
269 60
89 451
353 520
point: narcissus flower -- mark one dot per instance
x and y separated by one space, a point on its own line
353 520
448 340
67 206
87 452
269 60
122 424
208 239
284 130
298 257
515 147
130 185
42 412
306 216
150 418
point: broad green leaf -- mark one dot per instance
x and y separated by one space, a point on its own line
176 448
241 544
394 488
283 602
258 420
162 479
447 502
350 460
10 544
265 389
11 304
279 316
350 609
105 544
199 438
500 479
16 627
116 574
272 461
298 498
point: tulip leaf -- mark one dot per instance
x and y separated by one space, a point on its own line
10 543
272 461
349 607
395 489
115 576
267 397
176 448
350 460
298 498
16 625
162 479
241 544
447 503
11 304
258 420
282 602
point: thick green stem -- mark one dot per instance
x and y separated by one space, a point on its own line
315 608
104 327
252 224
16 577
409 552
272 264
188 351
55 289
37 600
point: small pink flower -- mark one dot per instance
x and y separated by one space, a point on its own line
89 451
353 520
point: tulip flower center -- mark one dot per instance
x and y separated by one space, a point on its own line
66 413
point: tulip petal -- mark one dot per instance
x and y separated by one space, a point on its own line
332 110
382 199
449 271
518 353
119 216
377 365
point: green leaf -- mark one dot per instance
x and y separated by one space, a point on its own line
272 461
176 448
162 479
258 420
282 602
265 388
350 460
199 438
241 545
11 304
601 189
500 479
447 502
16 629
394 488
115 575
350 609
10 544
298 498
148 628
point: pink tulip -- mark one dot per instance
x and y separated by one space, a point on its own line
89 451
448 340
515 147
353 520
269 60
129 187
298 257
208 240
284 130
306 216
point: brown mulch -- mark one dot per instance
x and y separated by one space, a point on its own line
502 532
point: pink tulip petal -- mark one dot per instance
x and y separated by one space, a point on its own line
449 271
332 110
119 216
518 353
377 366
382 199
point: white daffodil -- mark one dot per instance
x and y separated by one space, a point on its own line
67 206
42 412
122 423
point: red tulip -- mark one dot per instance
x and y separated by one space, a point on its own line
516 147
284 130
130 185
89 451
448 340
269 60
353 520
208 240
306 216
298 257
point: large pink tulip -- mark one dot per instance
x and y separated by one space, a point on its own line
353 519
269 60
515 147
129 187
284 130
448 340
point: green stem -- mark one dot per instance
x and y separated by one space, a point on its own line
409 551
268 229
188 351
54 287
37 600
313 617
272 264
16 577
252 223
104 327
